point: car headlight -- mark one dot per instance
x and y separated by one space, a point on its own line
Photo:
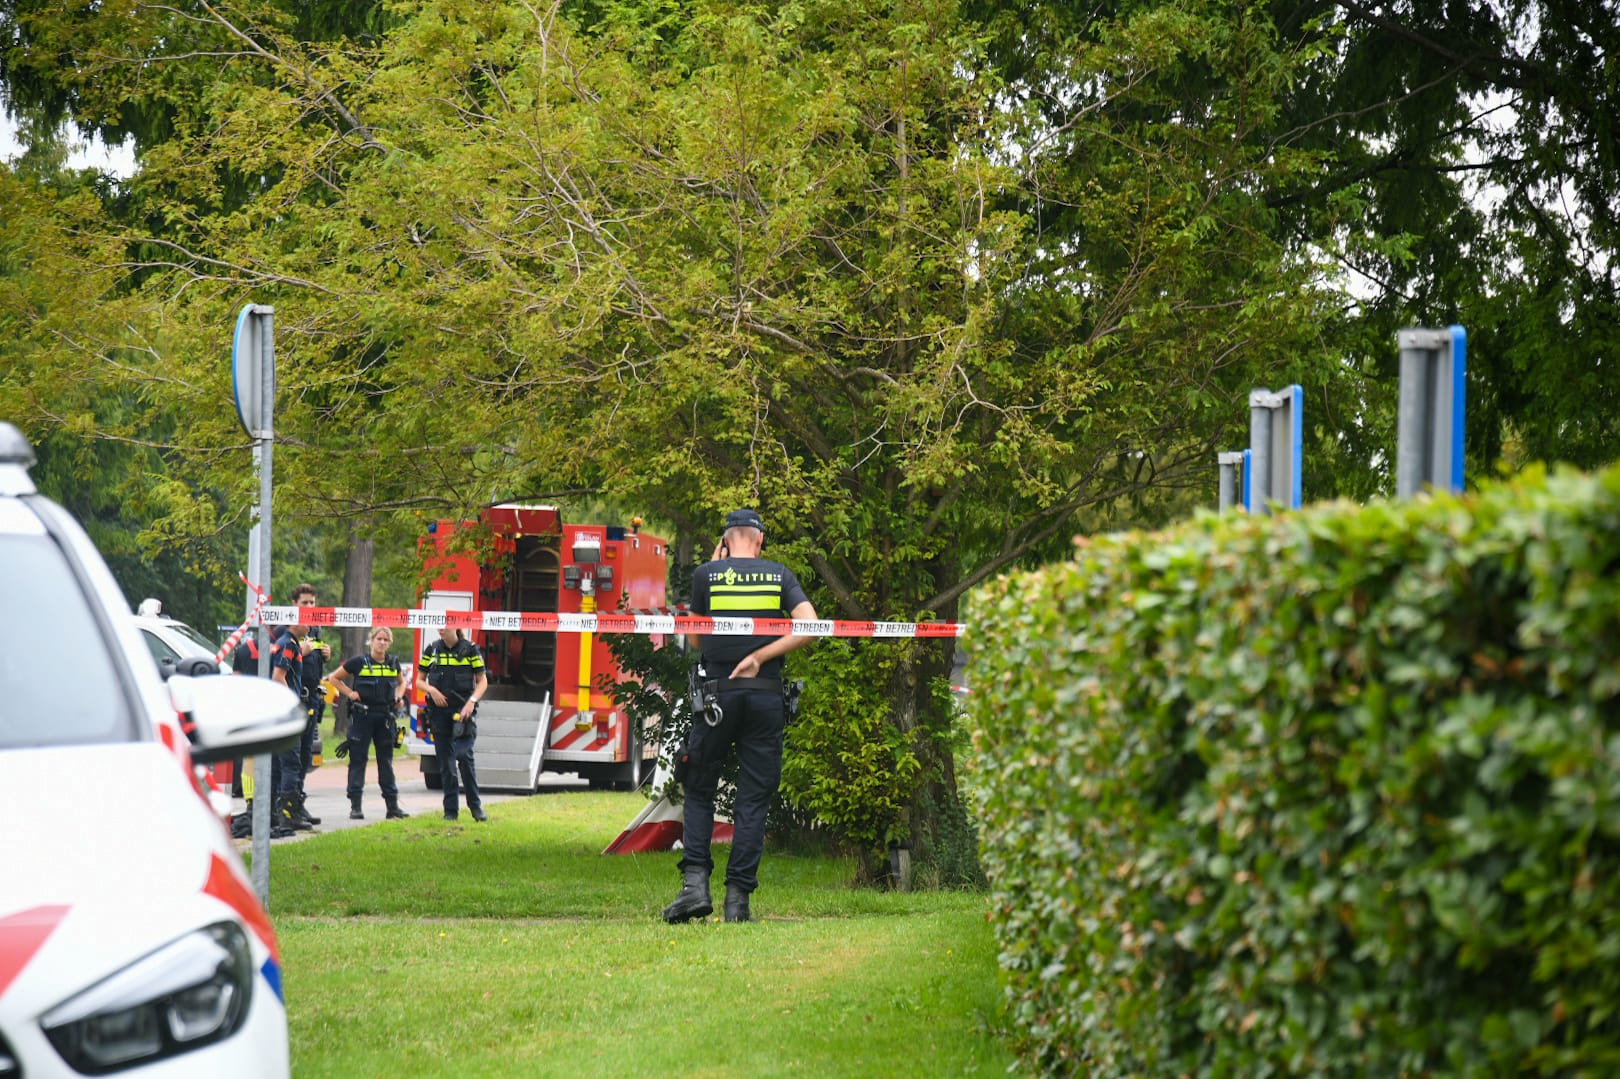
185 995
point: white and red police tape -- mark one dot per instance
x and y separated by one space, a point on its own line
235 638
666 620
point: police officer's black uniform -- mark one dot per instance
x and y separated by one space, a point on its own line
753 708
245 660
452 669
372 722
287 656
314 668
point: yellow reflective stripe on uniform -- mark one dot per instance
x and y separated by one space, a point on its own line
745 603
377 671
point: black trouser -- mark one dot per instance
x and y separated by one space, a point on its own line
371 727
754 720
455 753
314 709
288 775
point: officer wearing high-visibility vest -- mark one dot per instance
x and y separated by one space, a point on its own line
454 681
375 695
747 672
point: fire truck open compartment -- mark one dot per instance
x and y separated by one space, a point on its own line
536 715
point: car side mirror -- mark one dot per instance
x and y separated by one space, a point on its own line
195 666
236 716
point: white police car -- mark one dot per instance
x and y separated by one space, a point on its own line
130 938
171 641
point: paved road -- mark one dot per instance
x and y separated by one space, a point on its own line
327 797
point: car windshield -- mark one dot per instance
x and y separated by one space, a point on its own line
78 698
204 645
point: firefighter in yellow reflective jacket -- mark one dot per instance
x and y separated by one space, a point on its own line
454 680
377 694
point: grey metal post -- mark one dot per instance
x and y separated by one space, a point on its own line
261 327
1260 448
1231 478
1430 413
1411 414
1276 431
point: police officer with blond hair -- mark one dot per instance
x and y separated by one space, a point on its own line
737 583
375 696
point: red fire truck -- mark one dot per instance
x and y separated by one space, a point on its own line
545 709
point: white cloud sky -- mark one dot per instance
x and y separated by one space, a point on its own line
119 160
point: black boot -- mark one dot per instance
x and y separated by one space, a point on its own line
303 809
394 812
736 904
301 820
694 901
281 820
242 823
355 812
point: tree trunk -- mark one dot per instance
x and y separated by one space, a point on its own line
943 839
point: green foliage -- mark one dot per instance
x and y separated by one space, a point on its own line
1334 793
1460 165
847 765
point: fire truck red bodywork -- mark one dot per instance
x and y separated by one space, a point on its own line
525 559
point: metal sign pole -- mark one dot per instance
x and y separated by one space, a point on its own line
253 377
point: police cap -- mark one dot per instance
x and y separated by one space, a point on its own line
744 519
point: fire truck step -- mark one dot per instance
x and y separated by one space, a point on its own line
504 779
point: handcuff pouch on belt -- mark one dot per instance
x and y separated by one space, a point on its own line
703 693
703 696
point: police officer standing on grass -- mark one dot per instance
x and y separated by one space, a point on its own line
455 683
737 584
376 696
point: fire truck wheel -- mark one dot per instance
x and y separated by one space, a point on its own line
430 773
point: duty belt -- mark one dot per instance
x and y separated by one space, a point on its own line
723 684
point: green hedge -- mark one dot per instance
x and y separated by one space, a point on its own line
1333 793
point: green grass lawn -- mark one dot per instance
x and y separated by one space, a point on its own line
425 947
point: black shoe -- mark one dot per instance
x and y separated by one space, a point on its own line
736 904
303 809
283 822
479 814
394 812
242 823
694 901
296 816
451 816
355 812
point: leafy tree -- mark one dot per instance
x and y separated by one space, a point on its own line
1467 172
709 254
